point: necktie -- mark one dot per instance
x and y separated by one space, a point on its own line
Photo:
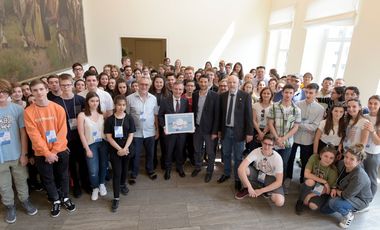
229 113
177 106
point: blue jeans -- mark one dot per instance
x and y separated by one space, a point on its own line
148 143
285 155
337 204
231 146
97 164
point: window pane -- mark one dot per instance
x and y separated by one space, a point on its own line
330 59
285 39
343 60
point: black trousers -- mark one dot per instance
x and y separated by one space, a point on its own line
58 172
161 139
305 153
175 144
120 171
77 164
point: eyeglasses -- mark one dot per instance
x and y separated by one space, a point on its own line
4 92
267 144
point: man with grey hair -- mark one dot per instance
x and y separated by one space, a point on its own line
142 106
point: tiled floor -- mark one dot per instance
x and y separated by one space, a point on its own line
184 203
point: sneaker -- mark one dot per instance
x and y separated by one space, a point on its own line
299 207
55 208
95 194
124 189
11 214
102 190
29 207
115 205
241 194
267 195
347 220
132 180
69 205
366 209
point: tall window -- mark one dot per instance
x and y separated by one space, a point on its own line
278 48
337 45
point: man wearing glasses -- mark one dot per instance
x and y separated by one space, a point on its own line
78 71
266 174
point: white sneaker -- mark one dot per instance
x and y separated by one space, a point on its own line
347 220
95 194
103 190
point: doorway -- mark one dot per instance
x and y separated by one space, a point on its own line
151 50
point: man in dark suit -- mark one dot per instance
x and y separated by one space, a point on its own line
206 117
174 142
235 125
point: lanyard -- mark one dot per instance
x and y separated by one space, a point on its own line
67 112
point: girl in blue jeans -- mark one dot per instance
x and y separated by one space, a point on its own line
90 129
353 188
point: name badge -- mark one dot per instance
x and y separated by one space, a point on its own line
261 177
51 136
5 137
118 131
97 137
318 189
73 124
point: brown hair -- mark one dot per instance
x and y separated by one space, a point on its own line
261 94
360 114
36 82
376 97
5 86
329 125
87 111
65 76
358 151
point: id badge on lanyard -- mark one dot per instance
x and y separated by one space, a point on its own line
51 136
73 123
5 137
318 189
261 177
97 137
118 131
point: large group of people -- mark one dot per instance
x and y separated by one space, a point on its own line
91 127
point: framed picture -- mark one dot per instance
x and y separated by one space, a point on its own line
179 123
38 38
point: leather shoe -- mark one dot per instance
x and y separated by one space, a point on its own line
223 178
208 177
195 172
237 185
167 175
181 174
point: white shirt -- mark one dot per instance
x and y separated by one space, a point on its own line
332 137
371 147
270 165
106 102
143 114
353 133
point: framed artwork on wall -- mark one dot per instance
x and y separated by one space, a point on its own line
38 37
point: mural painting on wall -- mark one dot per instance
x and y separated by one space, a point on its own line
39 37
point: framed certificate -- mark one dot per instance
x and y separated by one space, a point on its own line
179 123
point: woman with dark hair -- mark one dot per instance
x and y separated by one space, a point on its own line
355 125
352 191
260 111
103 80
119 129
372 162
337 96
79 86
90 129
111 87
159 90
208 65
121 87
93 68
331 130
238 69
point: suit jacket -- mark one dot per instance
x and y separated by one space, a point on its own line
209 123
243 121
167 107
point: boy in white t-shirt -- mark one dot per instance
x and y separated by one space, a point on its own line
266 174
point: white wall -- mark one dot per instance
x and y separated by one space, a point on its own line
363 64
196 30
